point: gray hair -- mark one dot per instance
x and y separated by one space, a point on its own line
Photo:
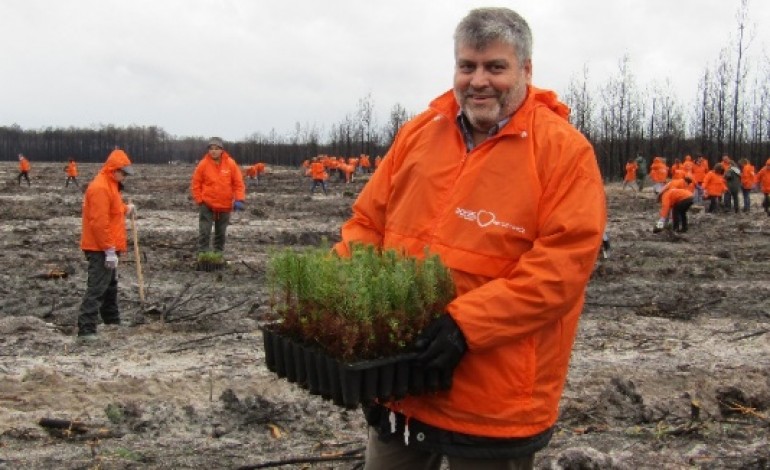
483 26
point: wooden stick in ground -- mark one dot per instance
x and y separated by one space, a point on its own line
137 258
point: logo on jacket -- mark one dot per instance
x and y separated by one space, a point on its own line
484 218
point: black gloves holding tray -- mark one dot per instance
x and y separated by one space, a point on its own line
440 346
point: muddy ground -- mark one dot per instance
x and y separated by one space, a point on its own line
670 368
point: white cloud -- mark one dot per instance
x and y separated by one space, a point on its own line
237 67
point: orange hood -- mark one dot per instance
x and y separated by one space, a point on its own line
116 160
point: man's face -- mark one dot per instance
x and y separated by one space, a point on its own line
215 151
490 84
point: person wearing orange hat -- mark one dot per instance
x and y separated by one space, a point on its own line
103 239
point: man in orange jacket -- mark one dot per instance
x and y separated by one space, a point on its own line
72 173
714 187
748 181
318 174
103 239
630 176
24 168
500 355
217 188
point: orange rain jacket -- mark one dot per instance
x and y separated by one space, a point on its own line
630 172
658 170
218 185
670 197
24 164
763 178
714 184
72 169
318 171
699 170
748 176
104 223
519 221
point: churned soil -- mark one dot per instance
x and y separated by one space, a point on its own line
671 366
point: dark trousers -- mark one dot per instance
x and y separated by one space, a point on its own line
746 199
713 204
316 183
730 200
394 454
766 203
73 179
25 175
679 217
206 219
101 297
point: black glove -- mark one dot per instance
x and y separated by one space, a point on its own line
441 345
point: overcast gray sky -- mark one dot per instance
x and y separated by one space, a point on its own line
236 67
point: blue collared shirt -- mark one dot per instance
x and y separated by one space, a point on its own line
467 132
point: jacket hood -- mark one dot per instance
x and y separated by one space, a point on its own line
116 160
539 97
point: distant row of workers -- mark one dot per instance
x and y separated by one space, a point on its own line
722 186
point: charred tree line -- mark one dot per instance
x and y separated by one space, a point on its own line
730 113
352 136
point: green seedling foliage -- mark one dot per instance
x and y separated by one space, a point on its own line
370 304
211 257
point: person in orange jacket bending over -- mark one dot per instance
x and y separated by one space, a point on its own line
217 187
103 239
674 204
501 352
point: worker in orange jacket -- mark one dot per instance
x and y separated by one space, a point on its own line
763 181
217 188
319 175
255 171
658 173
699 170
24 168
103 239
748 181
674 204
630 176
500 355
72 173
714 186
